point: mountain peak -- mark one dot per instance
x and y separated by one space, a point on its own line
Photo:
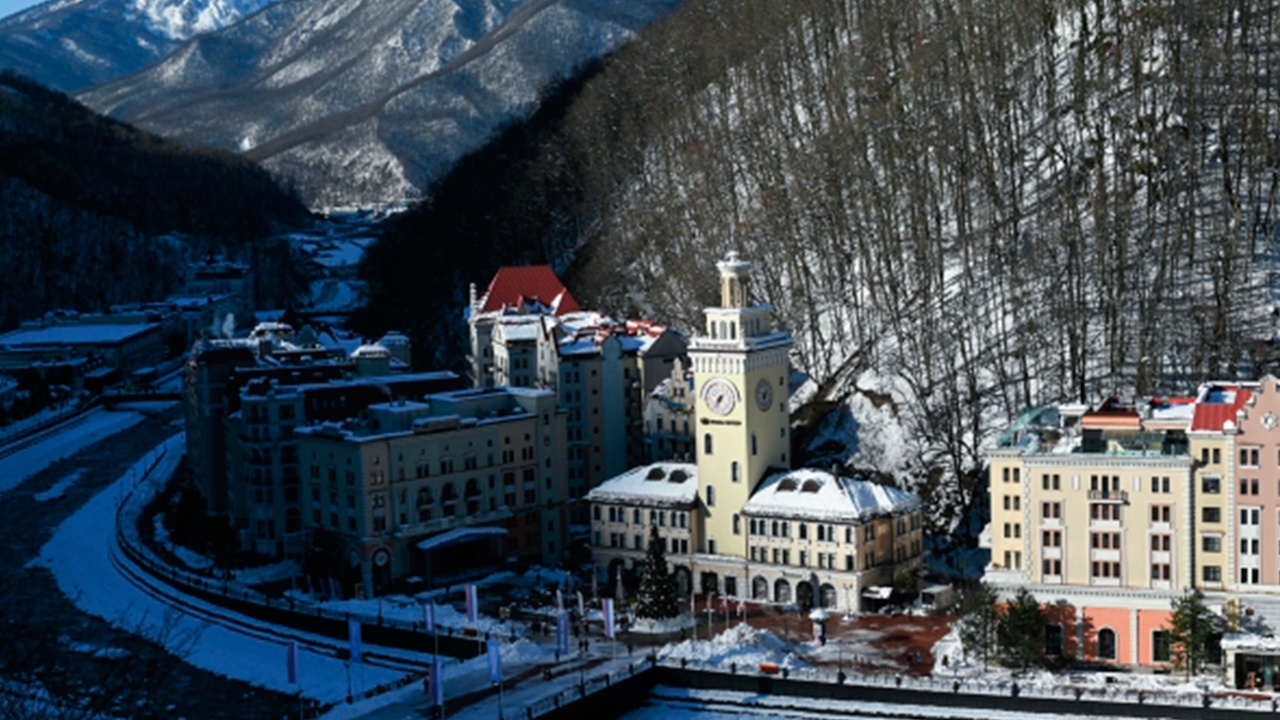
183 19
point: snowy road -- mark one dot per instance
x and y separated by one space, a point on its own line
31 456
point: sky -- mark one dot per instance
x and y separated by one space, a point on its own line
9 7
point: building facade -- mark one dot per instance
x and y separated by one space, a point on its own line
738 522
441 487
1107 514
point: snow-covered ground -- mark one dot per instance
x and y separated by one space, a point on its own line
15 469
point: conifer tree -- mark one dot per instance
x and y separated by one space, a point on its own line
1022 631
657 600
1189 630
979 624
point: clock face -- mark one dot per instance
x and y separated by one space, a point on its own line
720 396
764 394
1269 421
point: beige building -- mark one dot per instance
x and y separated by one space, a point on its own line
1107 514
744 525
442 487
527 331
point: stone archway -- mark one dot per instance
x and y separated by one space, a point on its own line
804 595
782 591
829 597
684 580
760 588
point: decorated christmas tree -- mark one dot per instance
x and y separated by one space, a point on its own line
657 600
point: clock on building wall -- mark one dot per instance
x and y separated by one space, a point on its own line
764 394
1269 421
720 396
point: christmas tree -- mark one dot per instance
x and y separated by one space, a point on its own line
657 600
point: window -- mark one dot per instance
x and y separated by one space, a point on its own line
706 443
1249 516
1211 515
1109 570
1211 543
734 474
1052 538
1211 484
711 496
1159 571
1106 644
1212 573
737 524
1104 540
1160 543
804 531
1160 646
1217 455
1051 567
1051 510
1160 513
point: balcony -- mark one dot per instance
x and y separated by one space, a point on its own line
1116 496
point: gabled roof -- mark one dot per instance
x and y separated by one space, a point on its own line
512 286
820 495
1217 405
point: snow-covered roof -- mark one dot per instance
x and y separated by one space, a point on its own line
656 484
86 334
458 536
372 350
819 495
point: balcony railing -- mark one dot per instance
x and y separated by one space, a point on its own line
1120 496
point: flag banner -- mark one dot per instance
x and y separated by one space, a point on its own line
291 662
429 616
724 603
473 604
595 582
437 683
559 599
710 596
607 605
817 633
619 592
353 639
562 633
495 661
742 608
693 606
582 605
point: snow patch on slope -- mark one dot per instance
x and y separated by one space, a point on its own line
184 19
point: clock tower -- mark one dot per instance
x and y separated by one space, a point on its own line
740 365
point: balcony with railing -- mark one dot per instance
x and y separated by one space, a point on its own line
1105 495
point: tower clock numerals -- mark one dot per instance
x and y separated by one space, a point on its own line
764 394
720 396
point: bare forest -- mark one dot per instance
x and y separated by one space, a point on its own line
959 207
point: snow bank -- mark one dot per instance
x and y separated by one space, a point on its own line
653 626
742 645
59 489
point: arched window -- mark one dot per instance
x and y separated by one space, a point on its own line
1106 644
782 591
734 472
759 588
706 444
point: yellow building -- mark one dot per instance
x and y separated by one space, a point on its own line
755 529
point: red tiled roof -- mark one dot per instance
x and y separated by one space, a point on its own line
1211 415
513 285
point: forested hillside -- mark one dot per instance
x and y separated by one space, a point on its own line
959 207
96 212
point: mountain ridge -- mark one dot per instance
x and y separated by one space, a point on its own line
69 45
366 104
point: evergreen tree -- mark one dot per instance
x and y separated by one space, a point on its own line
657 599
979 623
1189 630
1022 631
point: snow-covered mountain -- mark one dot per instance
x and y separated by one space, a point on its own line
366 102
71 44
